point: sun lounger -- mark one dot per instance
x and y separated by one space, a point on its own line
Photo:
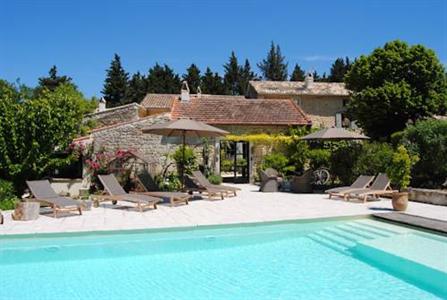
151 189
380 186
203 181
44 193
117 193
193 186
360 183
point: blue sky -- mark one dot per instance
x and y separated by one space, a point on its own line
81 36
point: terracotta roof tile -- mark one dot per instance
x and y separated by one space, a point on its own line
159 100
299 88
228 110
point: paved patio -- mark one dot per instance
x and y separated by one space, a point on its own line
248 207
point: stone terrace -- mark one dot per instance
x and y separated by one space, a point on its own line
248 207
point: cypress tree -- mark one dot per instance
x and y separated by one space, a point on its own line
246 75
274 67
298 74
193 78
115 84
338 69
232 76
163 80
212 83
136 89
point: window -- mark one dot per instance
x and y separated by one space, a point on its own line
342 120
345 102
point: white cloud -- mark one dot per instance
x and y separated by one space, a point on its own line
317 58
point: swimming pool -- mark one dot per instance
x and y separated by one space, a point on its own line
326 259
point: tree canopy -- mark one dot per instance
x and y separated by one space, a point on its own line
395 85
193 78
298 74
115 84
33 130
53 80
339 69
274 66
232 75
212 83
136 89
163 80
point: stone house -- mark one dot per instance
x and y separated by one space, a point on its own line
121 127
324 102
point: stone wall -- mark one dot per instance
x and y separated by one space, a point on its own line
128 136
437 197
320 109
124 113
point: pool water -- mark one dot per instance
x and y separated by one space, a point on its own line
344 259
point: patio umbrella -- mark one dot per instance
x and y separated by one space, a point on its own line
334 134
185 128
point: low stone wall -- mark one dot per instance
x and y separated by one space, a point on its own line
437 197
124 113
68 186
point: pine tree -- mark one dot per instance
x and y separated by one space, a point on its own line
232 76
274 66
136 89
115 84
338 69
316 76
246 75
193 78
52 81
163 80
212 83
298 74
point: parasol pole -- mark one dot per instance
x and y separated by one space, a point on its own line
183 159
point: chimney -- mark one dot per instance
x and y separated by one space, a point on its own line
102 104
184 92
309 80
199 92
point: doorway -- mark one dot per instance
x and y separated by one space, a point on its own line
234 161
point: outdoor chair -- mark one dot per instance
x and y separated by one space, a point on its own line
203 181
117 193
270 180
380 186
361 182
192 186
44 193
151 189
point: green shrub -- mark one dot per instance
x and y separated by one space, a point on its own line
343 160
298 153
170 182
374 158
189 160
277 161
319 158
227 165
428 140
215 179
8 198
399 170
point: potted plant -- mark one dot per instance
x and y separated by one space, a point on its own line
399 172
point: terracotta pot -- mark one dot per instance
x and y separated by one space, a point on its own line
400 201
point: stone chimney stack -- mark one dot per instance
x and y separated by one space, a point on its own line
309 80
199 92
102 104
184 92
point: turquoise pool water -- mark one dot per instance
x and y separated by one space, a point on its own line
349 259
